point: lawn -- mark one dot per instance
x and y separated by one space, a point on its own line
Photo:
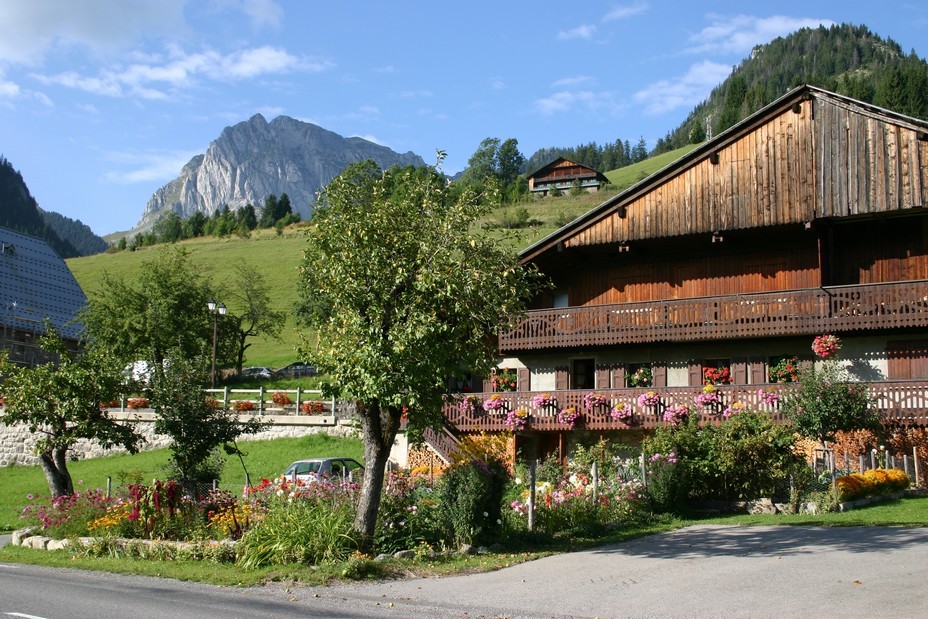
262 458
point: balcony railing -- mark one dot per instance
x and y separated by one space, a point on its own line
899 403
796 312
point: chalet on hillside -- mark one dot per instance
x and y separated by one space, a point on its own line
562 175
809 217
35 285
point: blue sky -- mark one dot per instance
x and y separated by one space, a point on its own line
103 101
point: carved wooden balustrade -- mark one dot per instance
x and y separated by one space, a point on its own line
900 403
810 311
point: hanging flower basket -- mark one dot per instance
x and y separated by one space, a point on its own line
649 399
677 414
543 400
710 397
570 417
825 346
594 400
622 412
494 404
517 420
469 405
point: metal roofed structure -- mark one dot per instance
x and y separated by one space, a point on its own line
35 285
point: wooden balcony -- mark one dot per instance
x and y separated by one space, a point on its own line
899 403
795 312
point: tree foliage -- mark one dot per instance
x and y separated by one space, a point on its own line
61 404
163 309
402 296
197 425
828 402
251 295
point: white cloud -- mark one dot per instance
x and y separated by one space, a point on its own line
566 100
416 94
263 12
687 91
573 81
182 70
623 12
739 34
29 30
87 107
386 69
585 32
42 98
8 90
147 167
497 83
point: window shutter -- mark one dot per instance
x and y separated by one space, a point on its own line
758 371
739 371
487 385
561 375
524 379
602 378
618 377
695 378
659 375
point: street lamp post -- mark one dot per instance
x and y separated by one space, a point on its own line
217 310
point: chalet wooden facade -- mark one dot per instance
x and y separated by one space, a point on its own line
562 175
808 217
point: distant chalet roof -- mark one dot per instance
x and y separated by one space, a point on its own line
577 170
839 109
35 285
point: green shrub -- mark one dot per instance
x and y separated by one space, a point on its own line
745 457
470 498
409 514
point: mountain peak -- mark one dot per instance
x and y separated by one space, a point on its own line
254 159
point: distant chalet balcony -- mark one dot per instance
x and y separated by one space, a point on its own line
795 312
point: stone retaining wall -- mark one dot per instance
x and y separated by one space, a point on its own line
17 442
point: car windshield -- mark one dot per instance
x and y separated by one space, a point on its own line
303 468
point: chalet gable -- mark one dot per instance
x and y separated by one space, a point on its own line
812 154
562 175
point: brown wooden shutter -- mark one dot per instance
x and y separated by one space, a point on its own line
758 371
487 385
739 371
561 378
659 375
695 378
618 377
524 379
602 377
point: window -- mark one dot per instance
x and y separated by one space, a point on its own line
560 299
583 374
639 375
716 371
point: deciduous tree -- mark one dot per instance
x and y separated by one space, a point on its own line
402 295
62 402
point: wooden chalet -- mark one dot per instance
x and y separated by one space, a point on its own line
35 286
562 175
808 217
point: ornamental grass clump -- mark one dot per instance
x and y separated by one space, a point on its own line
296 522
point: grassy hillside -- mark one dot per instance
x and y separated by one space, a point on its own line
278 257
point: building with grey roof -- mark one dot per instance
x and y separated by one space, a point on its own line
35 285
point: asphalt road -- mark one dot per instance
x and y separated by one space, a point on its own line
700 571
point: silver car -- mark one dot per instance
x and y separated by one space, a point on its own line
343 469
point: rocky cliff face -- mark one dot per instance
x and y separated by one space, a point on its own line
256 158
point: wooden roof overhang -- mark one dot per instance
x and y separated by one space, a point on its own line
811 154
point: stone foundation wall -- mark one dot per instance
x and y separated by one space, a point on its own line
17 442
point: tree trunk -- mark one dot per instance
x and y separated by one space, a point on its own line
378 431
55 466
